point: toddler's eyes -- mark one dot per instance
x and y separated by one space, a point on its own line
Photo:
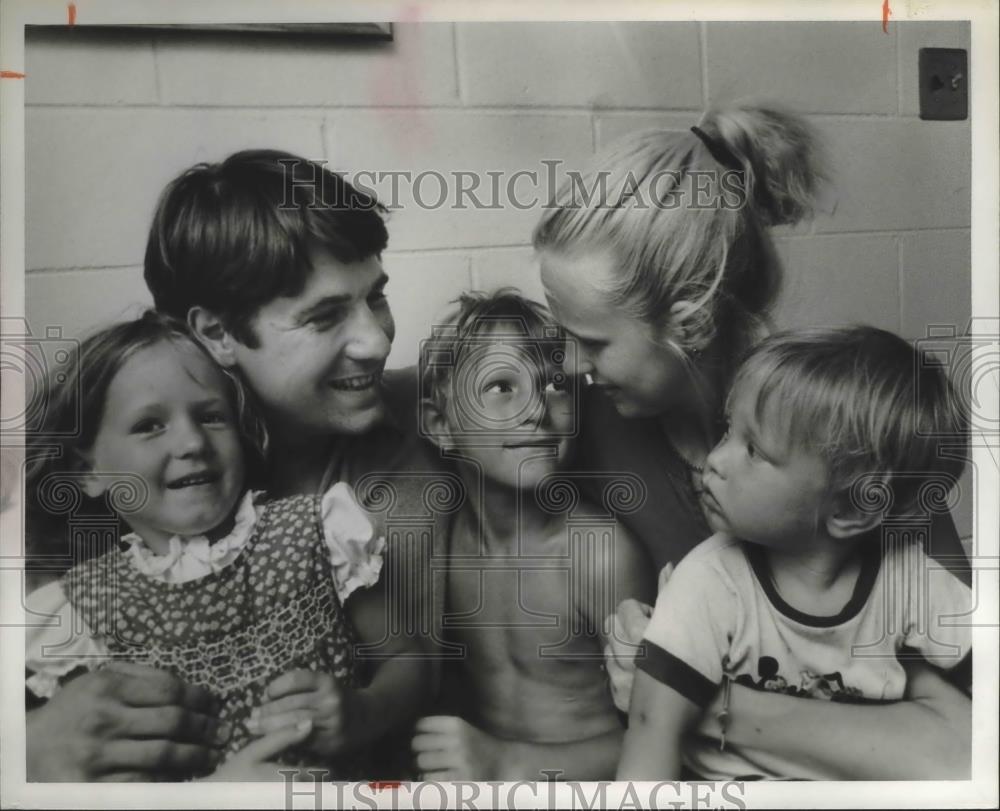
147 426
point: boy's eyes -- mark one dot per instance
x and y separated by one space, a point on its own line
560 386
499 387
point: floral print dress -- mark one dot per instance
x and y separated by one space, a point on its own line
230 616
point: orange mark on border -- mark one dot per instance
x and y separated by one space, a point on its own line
72 13
886 11
10 74
378 785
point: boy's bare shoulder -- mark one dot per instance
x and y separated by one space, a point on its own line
606 552
591 519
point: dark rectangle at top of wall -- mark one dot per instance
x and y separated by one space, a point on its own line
381 32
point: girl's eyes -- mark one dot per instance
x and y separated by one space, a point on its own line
152 425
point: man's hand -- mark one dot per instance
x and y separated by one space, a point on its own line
448 748
625 629
306 695
124 722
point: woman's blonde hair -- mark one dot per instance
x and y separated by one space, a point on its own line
685 215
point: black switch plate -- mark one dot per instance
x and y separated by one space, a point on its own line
944 84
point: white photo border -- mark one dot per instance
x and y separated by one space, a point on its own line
980 791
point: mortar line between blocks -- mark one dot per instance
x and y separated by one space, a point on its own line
703 57
54 271
899 71
550 110
157 81
404 252
471 274
882 232
900 311
458 69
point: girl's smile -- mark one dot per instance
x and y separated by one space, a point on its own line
167 420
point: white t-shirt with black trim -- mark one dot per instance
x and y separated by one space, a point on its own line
720 615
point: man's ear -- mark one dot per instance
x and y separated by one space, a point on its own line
848 519
212 333
433 424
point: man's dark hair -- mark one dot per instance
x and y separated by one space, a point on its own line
235 235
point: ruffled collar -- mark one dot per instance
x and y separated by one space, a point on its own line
196 557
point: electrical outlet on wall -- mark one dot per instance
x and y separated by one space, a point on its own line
944 84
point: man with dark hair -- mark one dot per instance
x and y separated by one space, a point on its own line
275 264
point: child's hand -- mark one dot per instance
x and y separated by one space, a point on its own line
253 762
625 630
448 748
301 695
665 574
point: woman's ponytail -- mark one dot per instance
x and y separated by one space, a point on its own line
693 228
781 156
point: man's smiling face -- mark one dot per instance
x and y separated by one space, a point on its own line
320 354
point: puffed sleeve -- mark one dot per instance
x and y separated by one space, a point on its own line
356 549
58 642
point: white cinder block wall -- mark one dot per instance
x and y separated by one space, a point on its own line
111 119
